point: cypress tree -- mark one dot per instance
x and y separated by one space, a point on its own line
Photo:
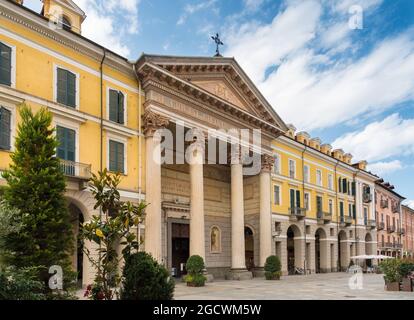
36 189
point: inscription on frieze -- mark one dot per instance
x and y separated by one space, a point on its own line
182 188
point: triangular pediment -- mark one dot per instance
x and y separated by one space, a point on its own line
69 4
220 77
224 90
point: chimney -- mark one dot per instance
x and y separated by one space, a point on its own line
315 143
303 137
326 148
291 131
347 158
338 154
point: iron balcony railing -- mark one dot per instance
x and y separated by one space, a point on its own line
345 221
395 208
400 230
391 229
371 224
384 204
398 245
367 197
75 169
297 212
380 226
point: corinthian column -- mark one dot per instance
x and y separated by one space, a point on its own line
238 259
153 217
265 210
197 238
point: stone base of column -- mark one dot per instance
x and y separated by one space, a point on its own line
239 274
258 272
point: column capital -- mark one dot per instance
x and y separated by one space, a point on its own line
267 163
152 122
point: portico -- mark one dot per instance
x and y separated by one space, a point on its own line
213 195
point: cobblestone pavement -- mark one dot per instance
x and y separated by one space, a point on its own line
331 286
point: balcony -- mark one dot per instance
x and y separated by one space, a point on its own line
387 245
391 229
384 204
277 232
297 213
398 246
324 217
371 224
395 208
400 230
380 226
346 221
80 172
367 197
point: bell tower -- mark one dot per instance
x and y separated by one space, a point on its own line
64 13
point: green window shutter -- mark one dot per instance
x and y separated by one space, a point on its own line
298 198
292 198
67 145
339 185
61 86
113 105
116 156
71 90
5 129
5 64
344 186
354 211
353 188
121 108
341 208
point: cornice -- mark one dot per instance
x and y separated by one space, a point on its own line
40 25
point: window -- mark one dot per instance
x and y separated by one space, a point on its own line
276 195
6 55
330 181
354 211
365 215
341 210
64 21
306 201
350 209
353 188
340 185
116 156
294 198
277 164
66 88
5 129
306 173
319 177
319 205
116 106
344 186
330 206
215 240
292 169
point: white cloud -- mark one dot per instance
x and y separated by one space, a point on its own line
107 22
190 9
409 203
380 140
383 168
253 5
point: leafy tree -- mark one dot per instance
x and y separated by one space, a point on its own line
145 279
36 189
111 228
8 225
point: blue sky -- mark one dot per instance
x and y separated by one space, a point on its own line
353 88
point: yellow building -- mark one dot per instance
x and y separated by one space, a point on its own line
303 203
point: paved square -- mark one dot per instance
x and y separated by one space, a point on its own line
331 286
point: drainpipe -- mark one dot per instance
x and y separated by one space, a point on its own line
337 213
101 119
304 220
355 199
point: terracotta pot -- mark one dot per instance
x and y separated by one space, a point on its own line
407 285
393 286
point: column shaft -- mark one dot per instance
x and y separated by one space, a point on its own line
265 218
238 260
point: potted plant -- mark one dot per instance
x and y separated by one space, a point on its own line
406 268
392 277
195 268
272 268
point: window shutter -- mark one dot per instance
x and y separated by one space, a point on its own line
116 156
344 186
5 64
112 156
70 138
67 144
113 105
120 157
60 134
298 198
71 89
292 198
121 108
5 128
61 86
354 211
339 185
353 188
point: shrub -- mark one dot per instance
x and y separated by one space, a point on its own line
195 265
406 267
145 279
195 268
20 284
272 268
390 269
